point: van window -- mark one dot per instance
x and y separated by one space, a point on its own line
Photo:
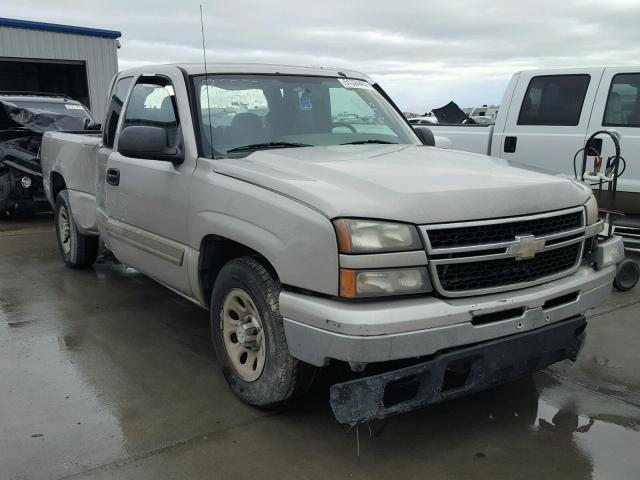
554 100
623 102
153 104
119 93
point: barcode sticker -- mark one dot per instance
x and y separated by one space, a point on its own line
353 83
73 106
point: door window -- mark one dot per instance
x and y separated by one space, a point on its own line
119 93
153 104
623 102
554 100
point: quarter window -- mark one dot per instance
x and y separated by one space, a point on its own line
119 93
554 100
623 101
153 104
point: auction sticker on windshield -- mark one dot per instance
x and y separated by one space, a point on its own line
353 83
73 106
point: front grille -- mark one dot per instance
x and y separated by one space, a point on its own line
456 277
487 256
630 236
501 232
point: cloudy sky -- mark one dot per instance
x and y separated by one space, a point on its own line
424 52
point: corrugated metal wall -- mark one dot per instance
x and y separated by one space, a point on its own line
100 55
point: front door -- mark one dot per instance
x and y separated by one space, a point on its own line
617 108
146 200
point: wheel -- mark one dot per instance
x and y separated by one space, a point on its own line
249 339
77 250
627 275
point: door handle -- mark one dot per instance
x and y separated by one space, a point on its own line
510 144
113 176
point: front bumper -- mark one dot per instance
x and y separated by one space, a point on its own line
319 329
456 373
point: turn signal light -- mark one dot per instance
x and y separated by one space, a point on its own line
347 283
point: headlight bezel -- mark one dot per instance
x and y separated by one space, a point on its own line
353 234
372 238
352 287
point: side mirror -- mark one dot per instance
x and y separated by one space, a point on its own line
150 143
425 135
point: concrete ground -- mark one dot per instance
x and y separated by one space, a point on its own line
105 374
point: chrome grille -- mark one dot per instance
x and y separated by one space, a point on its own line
630 235
487 256
502 232
457 277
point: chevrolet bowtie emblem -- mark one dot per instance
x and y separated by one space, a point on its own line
525 246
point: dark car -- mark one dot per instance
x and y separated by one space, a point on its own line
24 117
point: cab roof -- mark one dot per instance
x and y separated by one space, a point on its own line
249 69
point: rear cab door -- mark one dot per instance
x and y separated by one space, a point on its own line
548 118
617 108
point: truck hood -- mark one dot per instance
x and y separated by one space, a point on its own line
405 183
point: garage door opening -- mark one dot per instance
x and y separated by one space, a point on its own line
69 78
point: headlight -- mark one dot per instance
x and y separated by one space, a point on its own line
370 236
372 283
592 210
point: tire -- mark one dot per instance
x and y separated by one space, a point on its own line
270 375
77 250
627 275
7 206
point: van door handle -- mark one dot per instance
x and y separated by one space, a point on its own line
510 144
113 176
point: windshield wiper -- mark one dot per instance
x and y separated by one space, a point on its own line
267 145
362 142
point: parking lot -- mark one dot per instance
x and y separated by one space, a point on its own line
107 374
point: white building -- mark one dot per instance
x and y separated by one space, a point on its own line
47 57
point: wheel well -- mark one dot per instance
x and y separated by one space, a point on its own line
215 252
57 185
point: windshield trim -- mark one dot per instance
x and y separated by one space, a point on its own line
197 121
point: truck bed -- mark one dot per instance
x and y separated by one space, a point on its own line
73 156
469 138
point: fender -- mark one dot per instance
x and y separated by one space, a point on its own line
297 240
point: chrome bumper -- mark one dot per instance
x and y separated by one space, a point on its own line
319 329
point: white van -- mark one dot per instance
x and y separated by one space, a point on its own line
546 116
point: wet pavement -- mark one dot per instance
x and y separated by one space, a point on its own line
106 374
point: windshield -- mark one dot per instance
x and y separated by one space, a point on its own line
278 111
69 109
